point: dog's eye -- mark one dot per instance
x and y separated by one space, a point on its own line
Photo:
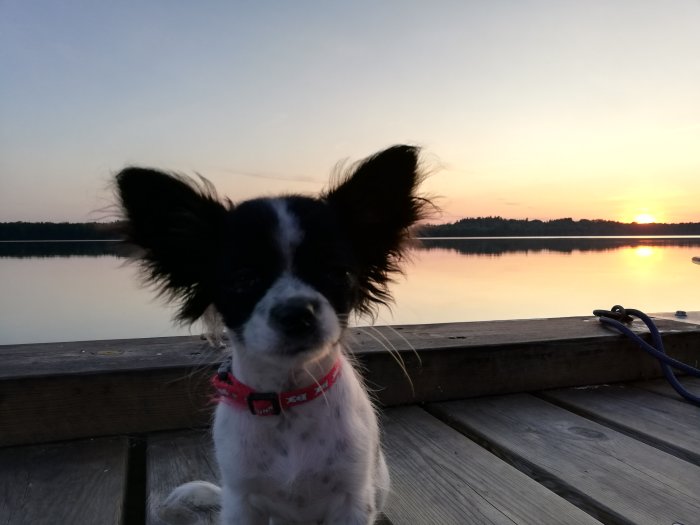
337 275
244 280
243 287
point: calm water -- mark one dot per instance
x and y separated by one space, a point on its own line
82 291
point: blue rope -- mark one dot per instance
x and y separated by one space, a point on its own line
617 316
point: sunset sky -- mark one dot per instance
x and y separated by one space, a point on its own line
525 109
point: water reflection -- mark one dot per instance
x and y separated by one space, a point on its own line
81 291
77 298
23 249
644 251
479 279
504 245
466 246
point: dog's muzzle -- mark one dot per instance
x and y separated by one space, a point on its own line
296 318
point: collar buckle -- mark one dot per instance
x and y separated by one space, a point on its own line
270 402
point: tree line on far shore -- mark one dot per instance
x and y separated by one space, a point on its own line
469 227
500 227
59 231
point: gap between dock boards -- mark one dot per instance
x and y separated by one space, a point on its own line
618 460
617 454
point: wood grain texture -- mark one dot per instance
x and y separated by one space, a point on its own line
60 391
67 407
119 355
611 475
440 476
176 458
453 362
77 483
690 317
673 426
662 387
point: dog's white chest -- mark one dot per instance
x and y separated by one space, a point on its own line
299 465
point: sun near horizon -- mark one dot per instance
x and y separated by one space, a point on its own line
644 218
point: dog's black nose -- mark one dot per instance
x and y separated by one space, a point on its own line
296 317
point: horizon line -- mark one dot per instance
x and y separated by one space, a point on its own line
483 217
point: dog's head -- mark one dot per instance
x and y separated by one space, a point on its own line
284 272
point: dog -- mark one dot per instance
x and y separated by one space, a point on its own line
296 436
213 330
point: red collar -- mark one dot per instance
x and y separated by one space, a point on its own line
235 393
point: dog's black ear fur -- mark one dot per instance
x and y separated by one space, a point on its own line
176 224
377 203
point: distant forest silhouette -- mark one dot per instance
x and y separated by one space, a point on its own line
58 231
469 227
500 227
43 249
564 245
60 239
468 246
74 239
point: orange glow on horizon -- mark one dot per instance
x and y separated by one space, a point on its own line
644 218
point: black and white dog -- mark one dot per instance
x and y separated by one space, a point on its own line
295 434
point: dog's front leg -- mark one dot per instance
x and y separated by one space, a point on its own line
353 512
236 510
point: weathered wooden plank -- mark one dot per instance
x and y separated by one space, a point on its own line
66 407
89 357
673 426
662 387
689 317
517 356
77 483
36 361
440 476
176 458
611 475
107 387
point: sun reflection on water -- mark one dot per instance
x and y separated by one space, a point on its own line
81 298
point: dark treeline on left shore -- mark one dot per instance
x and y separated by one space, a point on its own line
468 227
59 231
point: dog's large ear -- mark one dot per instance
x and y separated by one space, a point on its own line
176 225
377 203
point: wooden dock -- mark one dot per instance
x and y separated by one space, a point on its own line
550 421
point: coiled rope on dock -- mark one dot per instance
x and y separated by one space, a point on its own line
618 318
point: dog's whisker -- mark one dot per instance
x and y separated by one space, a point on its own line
389 346
393 352
382 336
408 343
318 384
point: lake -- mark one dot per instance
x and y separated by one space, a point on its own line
72 291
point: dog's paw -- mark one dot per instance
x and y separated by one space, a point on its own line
196 502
